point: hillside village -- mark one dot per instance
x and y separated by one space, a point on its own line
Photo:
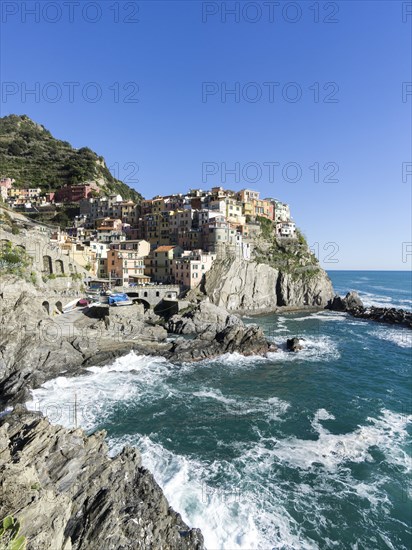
171 239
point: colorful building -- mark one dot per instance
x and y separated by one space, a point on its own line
162 261
125 261
189 268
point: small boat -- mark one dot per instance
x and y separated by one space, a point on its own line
70 306
123 303
120 299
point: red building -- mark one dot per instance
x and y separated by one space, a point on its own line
73 193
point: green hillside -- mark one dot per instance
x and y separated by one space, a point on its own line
32 156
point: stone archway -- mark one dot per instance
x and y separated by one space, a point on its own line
47 265
59 307
59 267
46 307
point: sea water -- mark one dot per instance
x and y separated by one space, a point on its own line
296 450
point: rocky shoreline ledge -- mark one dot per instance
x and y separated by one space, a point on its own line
353 305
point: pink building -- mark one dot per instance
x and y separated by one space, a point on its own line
189 269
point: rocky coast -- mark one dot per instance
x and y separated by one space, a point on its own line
60 483
353 305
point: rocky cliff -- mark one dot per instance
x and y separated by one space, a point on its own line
68 494
255 287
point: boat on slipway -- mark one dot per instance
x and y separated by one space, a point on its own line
120 299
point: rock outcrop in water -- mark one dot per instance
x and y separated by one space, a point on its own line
217 333
246 340
293 344
353 305
350 302
68 494
249 287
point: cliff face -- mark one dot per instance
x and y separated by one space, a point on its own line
247 286
68 494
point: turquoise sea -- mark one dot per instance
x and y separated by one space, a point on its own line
306 450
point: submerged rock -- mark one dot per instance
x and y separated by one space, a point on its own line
68 494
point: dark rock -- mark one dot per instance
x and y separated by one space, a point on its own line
353 301
390 316
349 302
67 493
353 305
246 340
293 344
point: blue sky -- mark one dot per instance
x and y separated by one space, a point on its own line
317 97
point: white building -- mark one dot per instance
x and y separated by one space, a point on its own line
281 211
286 229
99 248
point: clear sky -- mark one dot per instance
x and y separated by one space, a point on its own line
319 115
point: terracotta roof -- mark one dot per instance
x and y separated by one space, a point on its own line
164 248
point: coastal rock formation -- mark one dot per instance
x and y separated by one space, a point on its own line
68 494
217 333
246 340
349 302
391 316
204 317
353 305
293 344
246 286
36 347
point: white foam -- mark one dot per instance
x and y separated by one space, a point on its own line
231 516
379 300
321 348
214 394
322 316
236 360
331 451
239 504
401 337
93 396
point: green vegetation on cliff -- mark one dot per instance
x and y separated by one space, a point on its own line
14 260
10 539
290 255
33 157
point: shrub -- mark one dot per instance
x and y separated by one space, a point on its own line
9 535
14 260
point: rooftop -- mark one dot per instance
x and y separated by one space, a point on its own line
164 248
